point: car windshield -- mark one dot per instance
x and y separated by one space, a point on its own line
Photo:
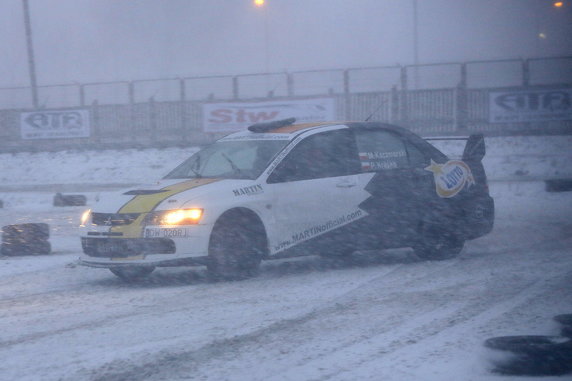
230 160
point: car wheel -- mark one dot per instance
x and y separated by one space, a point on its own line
437 243
235 250
532 355
132 273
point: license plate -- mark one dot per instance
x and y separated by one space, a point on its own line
110 247
167 233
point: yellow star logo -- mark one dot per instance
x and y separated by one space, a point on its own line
437 169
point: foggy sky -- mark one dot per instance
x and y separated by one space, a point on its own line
103 40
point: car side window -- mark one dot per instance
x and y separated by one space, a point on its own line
417 159
327 154
380 150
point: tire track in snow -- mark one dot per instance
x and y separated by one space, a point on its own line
378 364
162 303
401 334
127 369
166 361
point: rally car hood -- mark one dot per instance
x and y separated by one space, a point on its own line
165 194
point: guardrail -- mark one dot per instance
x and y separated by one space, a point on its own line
440 98
471 74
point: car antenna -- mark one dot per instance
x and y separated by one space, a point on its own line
376 110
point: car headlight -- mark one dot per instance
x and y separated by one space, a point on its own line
175 217
85 217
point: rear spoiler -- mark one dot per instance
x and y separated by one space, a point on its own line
474 148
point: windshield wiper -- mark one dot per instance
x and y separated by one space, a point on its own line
198 163
197 175
233 166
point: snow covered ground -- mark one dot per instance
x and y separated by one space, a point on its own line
387 316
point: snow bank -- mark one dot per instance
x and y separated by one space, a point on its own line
512 158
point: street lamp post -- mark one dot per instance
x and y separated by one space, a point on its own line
262 4
415 44
31 62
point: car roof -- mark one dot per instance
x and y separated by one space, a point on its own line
287 130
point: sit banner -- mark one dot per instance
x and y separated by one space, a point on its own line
530 105
58 124
237 116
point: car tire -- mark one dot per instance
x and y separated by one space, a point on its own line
437 243
236 249
532 355
132 273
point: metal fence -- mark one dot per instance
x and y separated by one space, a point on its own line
431 98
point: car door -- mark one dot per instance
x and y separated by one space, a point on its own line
399 187
316 188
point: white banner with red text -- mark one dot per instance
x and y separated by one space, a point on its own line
237 116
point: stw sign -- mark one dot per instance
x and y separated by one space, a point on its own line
229 117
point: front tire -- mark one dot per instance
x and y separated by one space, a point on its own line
437 243
132 273
236 249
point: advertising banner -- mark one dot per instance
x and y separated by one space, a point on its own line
236 116
530 105
60 124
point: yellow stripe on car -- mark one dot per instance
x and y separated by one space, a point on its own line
147 203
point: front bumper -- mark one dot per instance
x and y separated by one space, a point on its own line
157 246
126 247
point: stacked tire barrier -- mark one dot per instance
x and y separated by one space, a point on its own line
69 200
535 355
566 323
26 239
558 185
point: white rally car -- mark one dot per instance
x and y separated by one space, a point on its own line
281 189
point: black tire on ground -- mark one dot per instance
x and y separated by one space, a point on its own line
437 243
31 248
132 273
26 239
69 200
236 248
25 232
565 319
532 355
558 185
